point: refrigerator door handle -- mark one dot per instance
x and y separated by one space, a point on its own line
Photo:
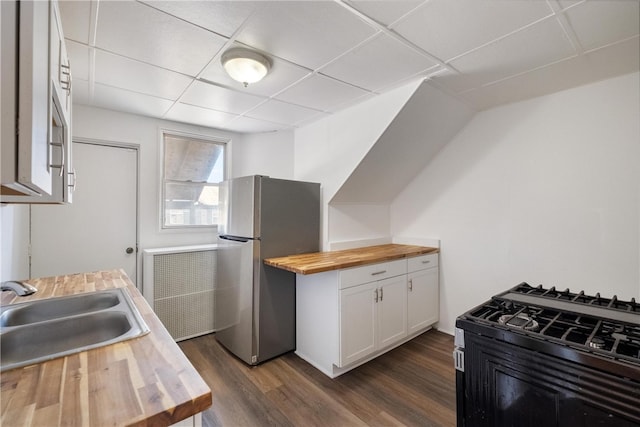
235 239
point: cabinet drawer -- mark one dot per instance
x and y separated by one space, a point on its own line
422 262
368 273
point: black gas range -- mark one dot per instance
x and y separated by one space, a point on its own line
544 357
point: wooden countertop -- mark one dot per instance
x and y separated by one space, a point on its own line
142 381
317 262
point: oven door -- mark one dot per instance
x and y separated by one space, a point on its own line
508 385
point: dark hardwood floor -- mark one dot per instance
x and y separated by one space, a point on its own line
412 385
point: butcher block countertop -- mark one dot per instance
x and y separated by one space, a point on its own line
318 262
141 381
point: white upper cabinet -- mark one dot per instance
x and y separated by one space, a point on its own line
59 62
36 105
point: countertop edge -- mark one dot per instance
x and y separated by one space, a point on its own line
186 391
325 264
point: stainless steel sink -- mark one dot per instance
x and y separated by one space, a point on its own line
33 332
55 308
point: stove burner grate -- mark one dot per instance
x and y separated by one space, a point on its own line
521 321
580 297
593 334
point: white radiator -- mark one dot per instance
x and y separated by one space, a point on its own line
178 283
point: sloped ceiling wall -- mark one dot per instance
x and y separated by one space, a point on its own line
428 120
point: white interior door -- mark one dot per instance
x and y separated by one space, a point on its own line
98 231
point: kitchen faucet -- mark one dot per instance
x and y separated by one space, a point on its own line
21 289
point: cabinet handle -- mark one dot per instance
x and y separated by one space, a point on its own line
75 179
65 71
61 165
411 285
426 262
381 294
375 273
376 299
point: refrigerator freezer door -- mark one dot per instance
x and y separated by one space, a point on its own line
234 293
290 217
239 215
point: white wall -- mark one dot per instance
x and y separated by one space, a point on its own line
14 238
268 154
355 225
328 150
545 191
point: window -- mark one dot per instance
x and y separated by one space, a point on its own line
193 169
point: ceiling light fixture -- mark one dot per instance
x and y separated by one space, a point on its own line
244 65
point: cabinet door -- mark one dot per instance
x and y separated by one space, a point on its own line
423 299
64 179
33 100
60 66
49 140
392 310
358 330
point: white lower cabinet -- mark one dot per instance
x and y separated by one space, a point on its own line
372 316
347 317
392 311
358 316
423 296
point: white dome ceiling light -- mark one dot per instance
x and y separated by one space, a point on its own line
244 65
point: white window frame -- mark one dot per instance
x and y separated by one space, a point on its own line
225 142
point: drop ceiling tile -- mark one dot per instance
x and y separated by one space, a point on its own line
378 63
308 33
159 39
533 47
218 98
448 28
385 12
565 4
281 75
80 92
199 116
221 17
605 63
117 71
249 125
75 17
79 59
281 112
603 22
117 99
321 93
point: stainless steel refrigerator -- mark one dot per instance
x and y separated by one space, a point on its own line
261 217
